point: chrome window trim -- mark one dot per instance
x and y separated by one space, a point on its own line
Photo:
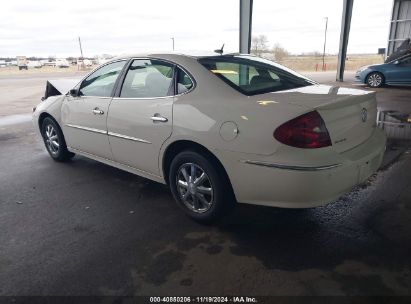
143 98
87 129
129 137
291 167
160 97
91 96
109 133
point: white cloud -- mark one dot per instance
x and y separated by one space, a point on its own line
49 27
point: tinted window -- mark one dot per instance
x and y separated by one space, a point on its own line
184 82
148 78
406 61
101 82
252 75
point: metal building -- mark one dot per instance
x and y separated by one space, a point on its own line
400 28
246 12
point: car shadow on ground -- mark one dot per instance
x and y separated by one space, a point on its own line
358 242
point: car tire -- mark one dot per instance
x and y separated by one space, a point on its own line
375 80
54 140
199 187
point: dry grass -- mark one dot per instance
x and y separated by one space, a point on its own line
310 63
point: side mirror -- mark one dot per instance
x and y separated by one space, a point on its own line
396 62
73 92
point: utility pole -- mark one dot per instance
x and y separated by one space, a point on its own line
81 49
172 38
325 41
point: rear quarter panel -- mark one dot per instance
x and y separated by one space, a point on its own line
200 114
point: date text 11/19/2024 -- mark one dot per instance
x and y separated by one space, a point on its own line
238 299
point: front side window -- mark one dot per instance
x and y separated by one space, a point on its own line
148 78
184 82
101 82
251 75
406 61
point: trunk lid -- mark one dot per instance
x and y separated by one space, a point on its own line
349 114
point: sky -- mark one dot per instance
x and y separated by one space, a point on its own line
51 27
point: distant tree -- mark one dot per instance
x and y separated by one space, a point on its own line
259 45
313 54
317 54
279 52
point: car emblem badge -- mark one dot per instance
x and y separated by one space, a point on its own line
364 115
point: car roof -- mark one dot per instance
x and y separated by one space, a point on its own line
190 54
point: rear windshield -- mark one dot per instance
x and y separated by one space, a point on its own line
252 75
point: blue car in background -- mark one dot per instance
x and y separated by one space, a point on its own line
396 72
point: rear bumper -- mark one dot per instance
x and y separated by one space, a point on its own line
267 183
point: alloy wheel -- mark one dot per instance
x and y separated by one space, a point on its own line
374 80
195 188
52 139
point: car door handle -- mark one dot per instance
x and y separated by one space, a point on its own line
97 111
158 117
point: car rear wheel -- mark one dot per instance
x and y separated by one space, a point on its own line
375 80
199 188
54 140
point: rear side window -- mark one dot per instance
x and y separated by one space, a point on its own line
184 82
148 78
252 75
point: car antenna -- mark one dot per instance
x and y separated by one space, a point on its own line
220 51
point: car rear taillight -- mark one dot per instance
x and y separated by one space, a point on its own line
306 131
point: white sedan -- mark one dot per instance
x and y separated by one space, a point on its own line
217 129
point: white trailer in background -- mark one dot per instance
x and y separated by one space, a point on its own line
34 64
102 60
48 62
22 62
87 62
62 63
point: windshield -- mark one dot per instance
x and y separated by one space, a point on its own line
252 75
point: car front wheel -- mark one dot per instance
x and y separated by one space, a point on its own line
54 140
375 80
199 187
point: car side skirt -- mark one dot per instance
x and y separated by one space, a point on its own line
398 83
120 166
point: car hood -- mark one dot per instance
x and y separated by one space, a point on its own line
60 86
363 67
372 66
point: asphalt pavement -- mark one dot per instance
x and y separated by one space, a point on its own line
84 228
